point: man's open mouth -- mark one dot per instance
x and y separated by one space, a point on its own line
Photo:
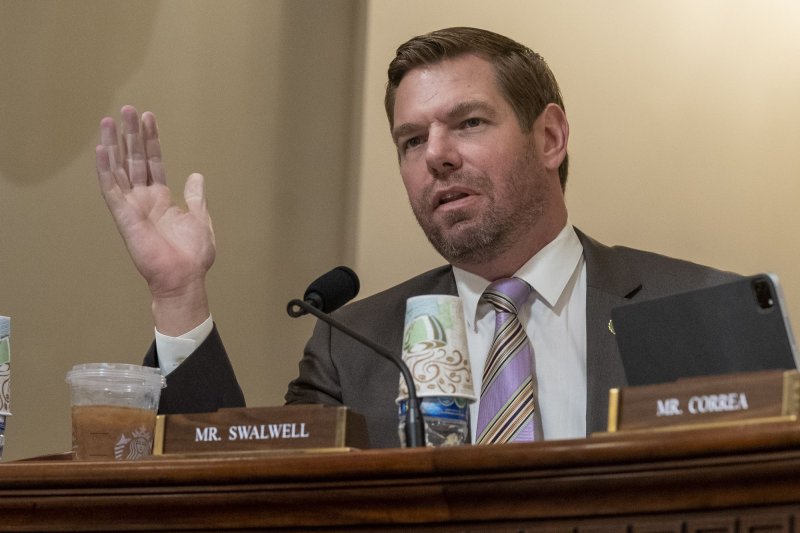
451 197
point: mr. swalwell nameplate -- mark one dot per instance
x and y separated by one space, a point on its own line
260 428
765 396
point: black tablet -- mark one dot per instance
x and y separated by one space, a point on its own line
738 326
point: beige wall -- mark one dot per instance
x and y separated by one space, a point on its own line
684 133
256 95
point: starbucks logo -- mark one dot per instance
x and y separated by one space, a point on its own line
138 445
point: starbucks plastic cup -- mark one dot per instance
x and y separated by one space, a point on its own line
114 410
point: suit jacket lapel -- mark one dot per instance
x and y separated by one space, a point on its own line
609 283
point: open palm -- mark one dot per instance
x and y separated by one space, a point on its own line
172 247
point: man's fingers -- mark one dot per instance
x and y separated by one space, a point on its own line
152 146
109 186
135 161
110 142
194 195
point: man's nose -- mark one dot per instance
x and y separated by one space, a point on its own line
442 154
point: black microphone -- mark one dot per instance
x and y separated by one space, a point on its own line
331 291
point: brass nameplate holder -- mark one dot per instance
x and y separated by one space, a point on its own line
290 427
755 397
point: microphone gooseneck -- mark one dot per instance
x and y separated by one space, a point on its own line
329 292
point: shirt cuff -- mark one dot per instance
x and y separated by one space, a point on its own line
172 351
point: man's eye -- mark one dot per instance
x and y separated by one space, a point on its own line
412 142
473 122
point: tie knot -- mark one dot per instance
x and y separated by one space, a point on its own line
507 294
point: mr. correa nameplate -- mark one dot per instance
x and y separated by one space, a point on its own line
290 427
766 396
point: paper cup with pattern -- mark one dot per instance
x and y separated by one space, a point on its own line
435 348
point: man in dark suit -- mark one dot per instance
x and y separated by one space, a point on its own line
481 136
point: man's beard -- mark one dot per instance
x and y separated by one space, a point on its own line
482 238
500 224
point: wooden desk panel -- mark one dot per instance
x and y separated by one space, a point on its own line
737 480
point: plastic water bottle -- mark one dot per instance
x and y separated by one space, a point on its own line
446 420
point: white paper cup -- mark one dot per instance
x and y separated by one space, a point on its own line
435 348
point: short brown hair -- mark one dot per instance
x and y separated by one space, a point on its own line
525 80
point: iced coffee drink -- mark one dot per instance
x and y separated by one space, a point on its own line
108 432
114 410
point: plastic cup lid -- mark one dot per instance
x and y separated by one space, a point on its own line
116 372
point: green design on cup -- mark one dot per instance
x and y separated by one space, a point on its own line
424 332
5 352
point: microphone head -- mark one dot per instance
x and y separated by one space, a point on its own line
333 289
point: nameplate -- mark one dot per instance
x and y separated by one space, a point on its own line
766 396
289 427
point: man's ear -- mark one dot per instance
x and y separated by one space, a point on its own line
552 131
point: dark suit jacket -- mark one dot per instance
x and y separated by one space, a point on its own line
337 370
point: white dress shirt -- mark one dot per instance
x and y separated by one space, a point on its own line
555 320
173 350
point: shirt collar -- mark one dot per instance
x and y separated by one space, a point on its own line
548 272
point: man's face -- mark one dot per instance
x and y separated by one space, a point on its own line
470 171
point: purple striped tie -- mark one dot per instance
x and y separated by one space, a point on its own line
507 410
